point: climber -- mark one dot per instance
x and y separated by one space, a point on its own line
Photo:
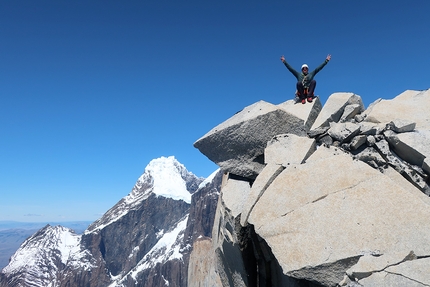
305 80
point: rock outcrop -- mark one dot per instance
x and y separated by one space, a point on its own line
336 196
237 145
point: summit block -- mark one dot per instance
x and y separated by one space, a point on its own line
237 145
347 204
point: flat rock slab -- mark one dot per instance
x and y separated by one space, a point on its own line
234 195
279 151
264 179
414 273
411 105
322 216
237 145
334 108
368 128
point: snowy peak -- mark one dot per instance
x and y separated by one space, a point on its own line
168 178
164 177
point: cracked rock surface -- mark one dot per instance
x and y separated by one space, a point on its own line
346 204
313 226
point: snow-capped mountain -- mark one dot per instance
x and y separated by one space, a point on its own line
163 177
144 240
53 246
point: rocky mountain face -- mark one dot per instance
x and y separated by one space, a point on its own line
144 240
333 195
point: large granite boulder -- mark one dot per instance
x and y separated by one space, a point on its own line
237 145
319 218
410 105
345 205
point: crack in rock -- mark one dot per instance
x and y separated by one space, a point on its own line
401 275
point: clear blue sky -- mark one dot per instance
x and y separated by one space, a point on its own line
91 91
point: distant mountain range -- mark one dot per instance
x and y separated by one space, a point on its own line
78 226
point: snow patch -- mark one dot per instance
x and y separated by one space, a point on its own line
165 281
134 252
209 179
68 244
159 233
